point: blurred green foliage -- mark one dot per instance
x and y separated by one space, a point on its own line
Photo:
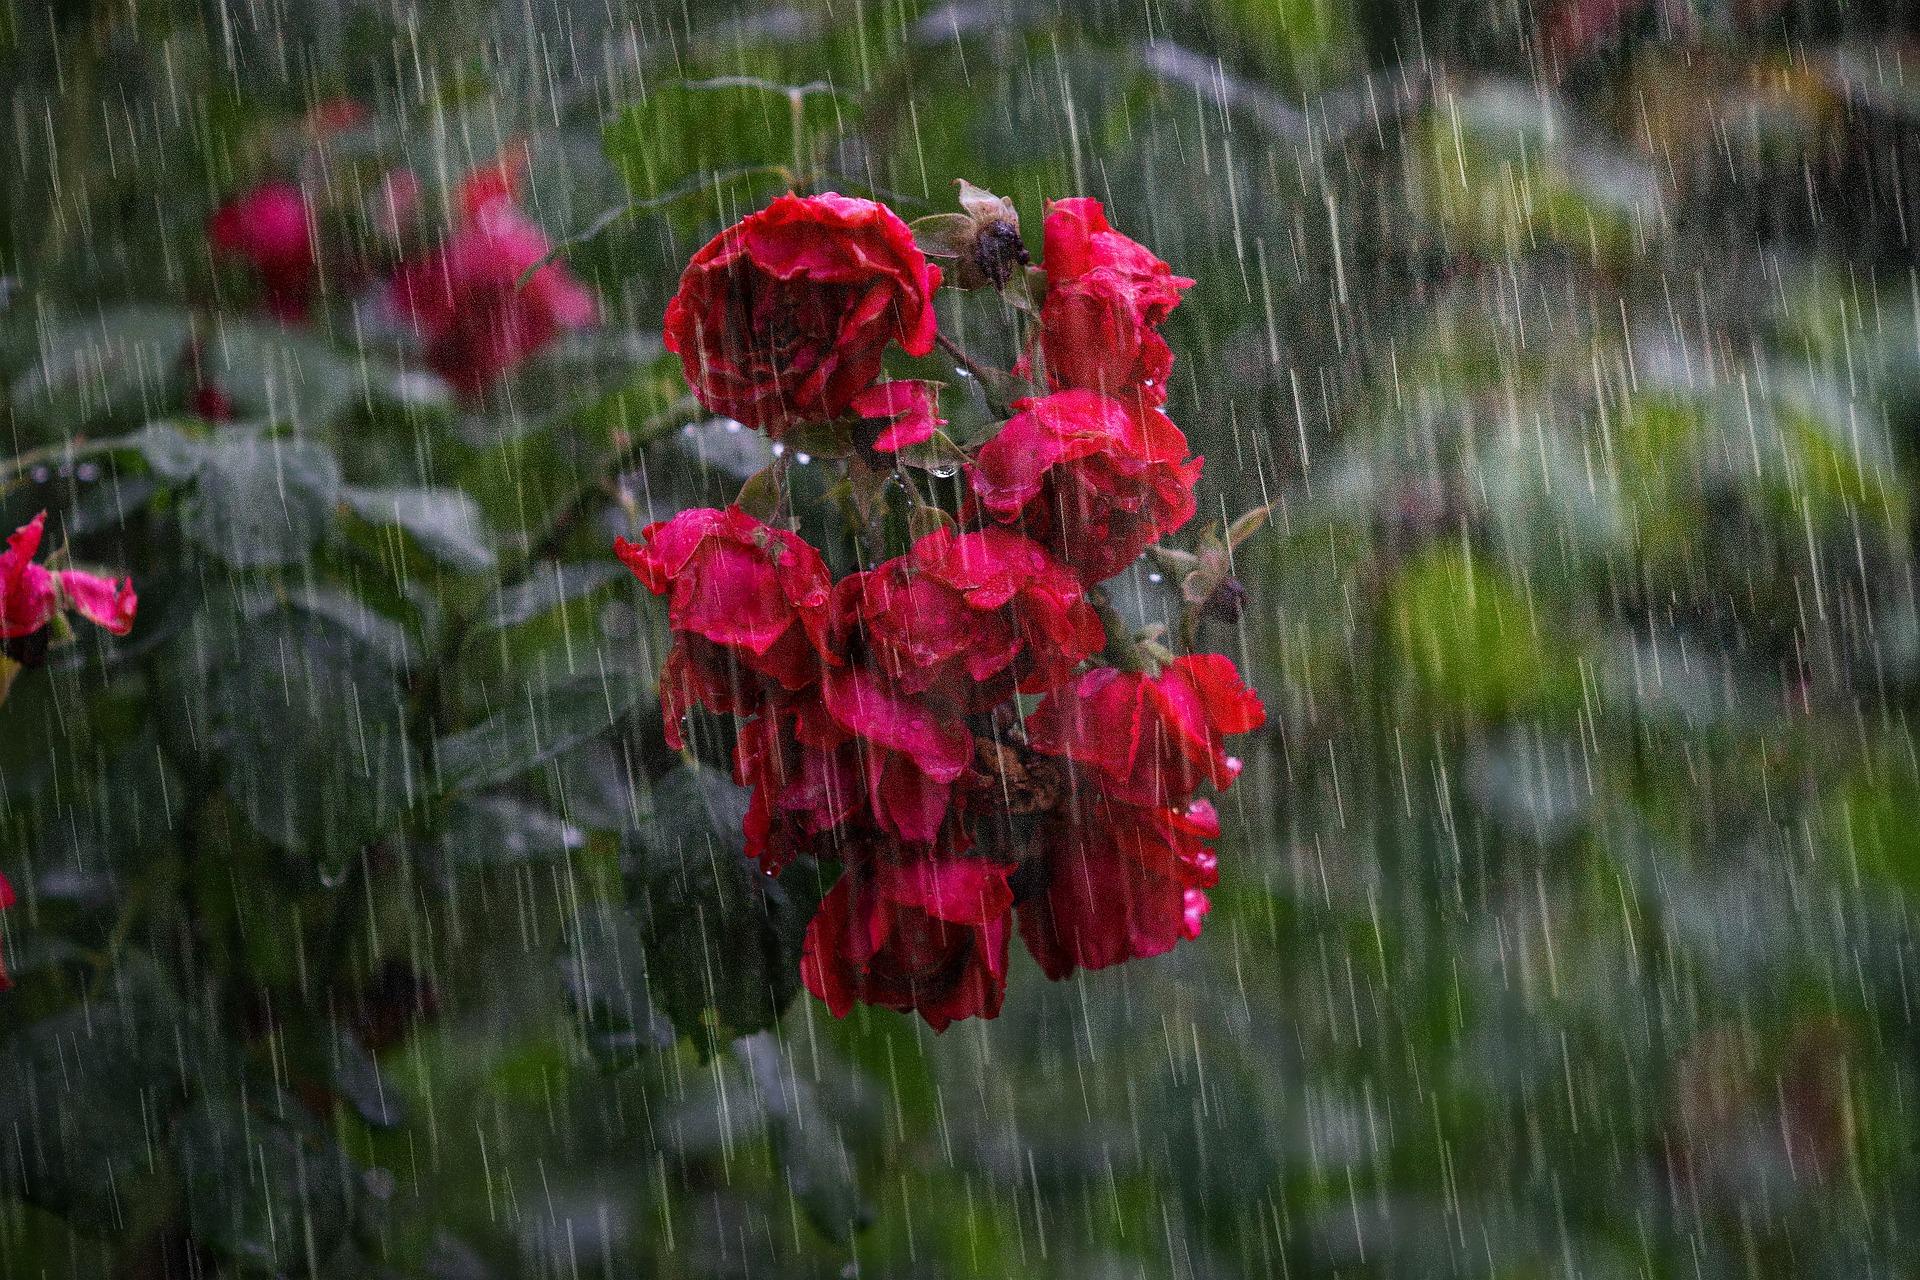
368 927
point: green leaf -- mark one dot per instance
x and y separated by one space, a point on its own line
308 724
276 374
262 501
1471 638
171 453
445 522
547 586
505 831
112 365
79 1092
820 1170
259 1191
723 939
605 972
678 133
941 234
522 737
759 497
359 1080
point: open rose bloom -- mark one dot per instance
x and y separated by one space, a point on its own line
953 719
1093 479
783 318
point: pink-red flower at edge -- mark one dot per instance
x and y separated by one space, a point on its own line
30 594
6 900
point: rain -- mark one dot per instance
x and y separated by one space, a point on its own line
398 880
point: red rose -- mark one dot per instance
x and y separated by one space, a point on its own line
1123 883
31 594
466 300
928 934
1093 479
1106 298
967 616
908 753
6 900
747 606
801 796
268 229
783 317
1150 740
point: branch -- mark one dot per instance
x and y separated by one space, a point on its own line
992 381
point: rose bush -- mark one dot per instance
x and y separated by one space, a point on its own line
879 726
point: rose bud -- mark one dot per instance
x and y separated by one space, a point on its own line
747 607
782 318
1107 296
1150 740
926 934
1093 479
1122 883
968 617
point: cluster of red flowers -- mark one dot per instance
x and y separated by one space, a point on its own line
31 596
462 299
879 716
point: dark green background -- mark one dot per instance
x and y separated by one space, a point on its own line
1565 921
